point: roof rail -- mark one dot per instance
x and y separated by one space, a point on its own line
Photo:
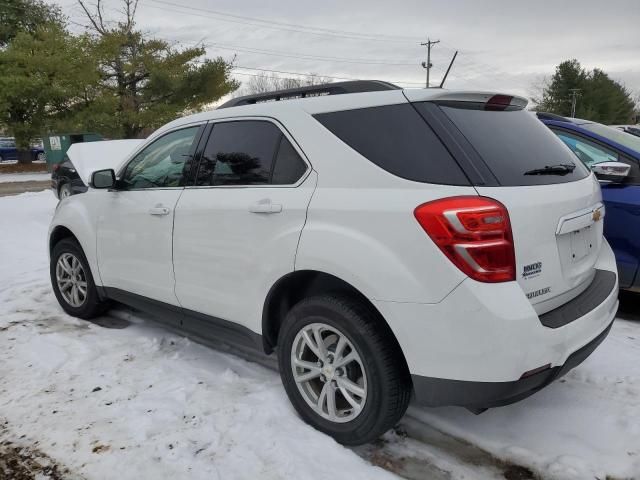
338 88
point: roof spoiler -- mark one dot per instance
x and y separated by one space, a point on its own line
473 100
338 88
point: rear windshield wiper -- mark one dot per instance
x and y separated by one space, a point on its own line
560 169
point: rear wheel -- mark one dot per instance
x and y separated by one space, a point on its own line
341 372
41 157
72 281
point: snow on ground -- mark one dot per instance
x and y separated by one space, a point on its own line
124 398
586 425
138 402
24 177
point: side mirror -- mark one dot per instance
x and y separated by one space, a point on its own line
103 178
611 171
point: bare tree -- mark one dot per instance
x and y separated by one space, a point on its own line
265 82
537 91
97 17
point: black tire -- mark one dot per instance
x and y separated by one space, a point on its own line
92 305
41 157
388 379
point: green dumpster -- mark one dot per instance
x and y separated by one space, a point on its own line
57 144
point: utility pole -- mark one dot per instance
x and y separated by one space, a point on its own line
428 63
575 92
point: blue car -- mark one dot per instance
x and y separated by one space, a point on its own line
9 151
614 156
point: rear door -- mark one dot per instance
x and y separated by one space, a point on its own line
237 229
556 213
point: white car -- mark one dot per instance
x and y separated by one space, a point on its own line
385 243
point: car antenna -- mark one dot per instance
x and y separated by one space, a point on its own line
449 68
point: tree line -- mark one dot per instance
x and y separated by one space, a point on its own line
113 78
121 82
597 96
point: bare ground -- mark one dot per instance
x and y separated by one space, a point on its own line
15 188
20 462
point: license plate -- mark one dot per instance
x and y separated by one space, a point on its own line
581 243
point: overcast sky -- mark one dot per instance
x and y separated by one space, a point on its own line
508 46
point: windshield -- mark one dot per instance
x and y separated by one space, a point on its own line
618 136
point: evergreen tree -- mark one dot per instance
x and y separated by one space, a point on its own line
44 77
26 16
600 98
145 82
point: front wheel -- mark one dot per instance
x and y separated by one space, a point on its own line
342 373
72 281
65 191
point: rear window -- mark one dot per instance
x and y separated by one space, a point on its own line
397 139
512 143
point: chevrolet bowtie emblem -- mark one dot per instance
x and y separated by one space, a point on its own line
597 215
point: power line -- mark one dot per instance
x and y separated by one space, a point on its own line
309 29
305 56
464 64
307 74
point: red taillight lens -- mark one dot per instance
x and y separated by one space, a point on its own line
474 233
55 166
498 102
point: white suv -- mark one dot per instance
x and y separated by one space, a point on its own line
384 242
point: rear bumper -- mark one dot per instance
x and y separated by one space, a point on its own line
489 335
479 395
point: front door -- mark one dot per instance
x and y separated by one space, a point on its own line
135 228
237 229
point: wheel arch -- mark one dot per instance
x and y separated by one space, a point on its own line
294 286
58 233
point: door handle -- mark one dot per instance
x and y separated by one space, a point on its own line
159 210
265 206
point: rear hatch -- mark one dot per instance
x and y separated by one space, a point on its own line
554 203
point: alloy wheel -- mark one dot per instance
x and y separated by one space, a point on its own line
71 280
329 372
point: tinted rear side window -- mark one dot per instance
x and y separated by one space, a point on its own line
239 153
512 143
397 139
289 166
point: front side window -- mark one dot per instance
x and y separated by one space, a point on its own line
591 153
240 153
161 164
588 152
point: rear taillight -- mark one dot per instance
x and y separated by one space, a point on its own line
55 167
498 103
474 233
